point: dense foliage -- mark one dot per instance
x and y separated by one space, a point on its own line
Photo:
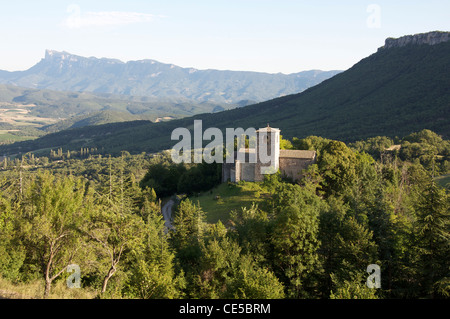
167 178
354 207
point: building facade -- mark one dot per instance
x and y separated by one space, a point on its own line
251 165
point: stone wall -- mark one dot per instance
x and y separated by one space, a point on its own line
248 172
237 169
227 171
292 167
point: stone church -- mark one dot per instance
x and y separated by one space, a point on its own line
289 162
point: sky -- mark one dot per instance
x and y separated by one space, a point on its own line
273 36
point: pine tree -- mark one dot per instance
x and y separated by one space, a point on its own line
433 241
153 274
347 247
295 239
187 238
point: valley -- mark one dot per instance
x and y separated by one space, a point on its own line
88 181
393 92
48 98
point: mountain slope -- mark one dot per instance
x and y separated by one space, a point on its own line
57 104
28 113
395 91
94 118
67 72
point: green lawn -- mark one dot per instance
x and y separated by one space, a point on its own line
231 197
443 180
8 137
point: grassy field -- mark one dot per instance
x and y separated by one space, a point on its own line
35 290
18 114
443 180
219 202
7 137
20 124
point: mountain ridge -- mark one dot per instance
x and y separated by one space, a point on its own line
64 71
390 93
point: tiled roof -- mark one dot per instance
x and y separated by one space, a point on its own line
298 154
286 153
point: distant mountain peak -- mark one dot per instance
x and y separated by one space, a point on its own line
63 71
51 55
430 38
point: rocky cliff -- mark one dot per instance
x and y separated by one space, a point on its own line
430 38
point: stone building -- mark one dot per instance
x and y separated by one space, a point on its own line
248 166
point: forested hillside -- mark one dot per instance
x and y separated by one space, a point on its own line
28 113
360 204
393 92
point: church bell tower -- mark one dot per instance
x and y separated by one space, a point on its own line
267 152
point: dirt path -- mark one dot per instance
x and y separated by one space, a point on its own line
167 213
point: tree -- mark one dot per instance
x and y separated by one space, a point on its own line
285 144
425 136
200 177
295 249
354 288
12 252
252 232
218 264
361 193
226 272
114 232
163 178
315 143
390 218
187 234
294 239
428 148
52 212
191 181
375 146
152 266
254 282
433 240
115 224
347 246
337 165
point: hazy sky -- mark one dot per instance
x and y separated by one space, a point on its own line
256 35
